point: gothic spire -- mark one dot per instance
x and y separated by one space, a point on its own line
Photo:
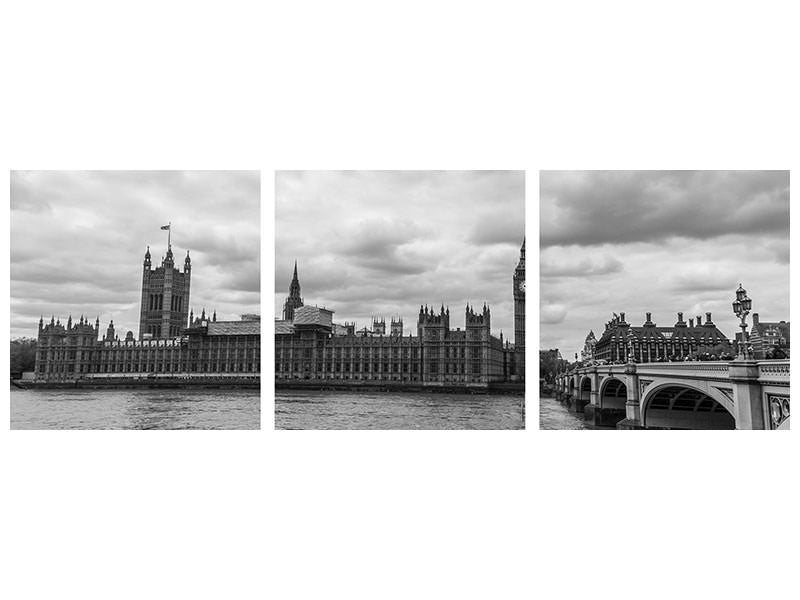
294 286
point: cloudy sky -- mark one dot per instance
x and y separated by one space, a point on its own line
663 242
78 240
384 242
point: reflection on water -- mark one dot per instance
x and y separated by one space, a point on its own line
296 409
555 415
135 409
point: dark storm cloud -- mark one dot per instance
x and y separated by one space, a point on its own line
597 207
384 242
78 240
660 242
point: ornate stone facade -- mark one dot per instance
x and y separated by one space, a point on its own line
164 309
166 347
308 349
589 347
310 346
650 343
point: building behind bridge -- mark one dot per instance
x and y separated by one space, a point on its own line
589 345
769 339
172 343
651 343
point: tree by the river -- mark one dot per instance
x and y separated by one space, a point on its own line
23 355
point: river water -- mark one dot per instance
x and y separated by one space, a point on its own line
135 409
555 415
297 409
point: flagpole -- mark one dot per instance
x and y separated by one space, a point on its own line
169 235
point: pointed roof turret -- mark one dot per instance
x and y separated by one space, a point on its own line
169 259
294 288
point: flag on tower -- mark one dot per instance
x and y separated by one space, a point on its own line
166 226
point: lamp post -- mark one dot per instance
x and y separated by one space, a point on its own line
741 308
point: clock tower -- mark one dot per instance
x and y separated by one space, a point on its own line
519 312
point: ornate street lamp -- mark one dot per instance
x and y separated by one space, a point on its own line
741 308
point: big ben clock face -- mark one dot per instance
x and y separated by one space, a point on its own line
521 286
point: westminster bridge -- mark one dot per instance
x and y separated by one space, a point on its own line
740 394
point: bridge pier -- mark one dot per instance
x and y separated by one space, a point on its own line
633 409
594 395
579 405
629 424
602 417
748 399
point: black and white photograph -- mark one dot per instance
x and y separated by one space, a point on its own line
664 300
401 299
365 175
135 300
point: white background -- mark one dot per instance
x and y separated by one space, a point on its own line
247 85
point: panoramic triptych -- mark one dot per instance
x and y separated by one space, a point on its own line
399 299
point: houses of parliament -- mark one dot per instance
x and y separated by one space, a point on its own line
310 346
172 343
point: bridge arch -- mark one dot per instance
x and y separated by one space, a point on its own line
686 405
613 393
585 389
